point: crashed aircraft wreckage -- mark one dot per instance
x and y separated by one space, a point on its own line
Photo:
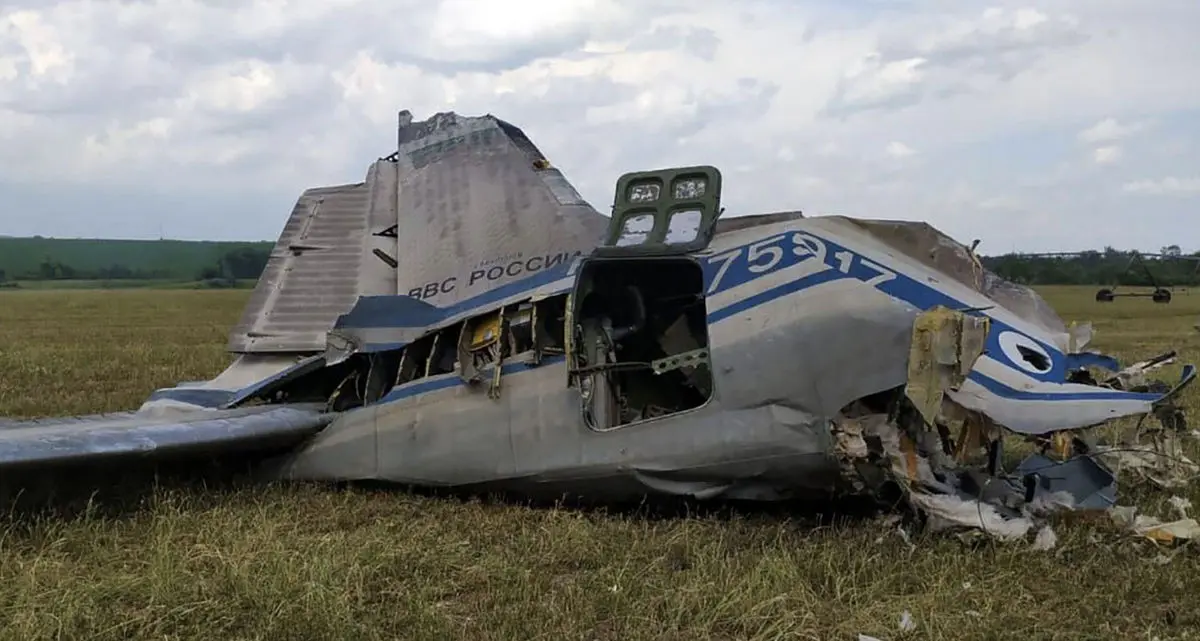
463 318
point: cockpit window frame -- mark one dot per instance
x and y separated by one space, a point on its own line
666 199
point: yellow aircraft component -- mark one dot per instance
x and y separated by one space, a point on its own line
1062 444
485 333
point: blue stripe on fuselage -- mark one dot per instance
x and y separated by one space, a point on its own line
842 263
794 247
482 302
446 381
732 268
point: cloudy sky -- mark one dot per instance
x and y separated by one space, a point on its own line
1034 125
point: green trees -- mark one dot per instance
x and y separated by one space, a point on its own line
242 263
1107 267
51 259
223 264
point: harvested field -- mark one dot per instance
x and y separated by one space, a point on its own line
186 561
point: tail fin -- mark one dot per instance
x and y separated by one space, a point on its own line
465 205
480 207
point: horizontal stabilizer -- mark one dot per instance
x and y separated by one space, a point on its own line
111 436
315 273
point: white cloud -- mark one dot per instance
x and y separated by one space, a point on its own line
227 110
897 149
1109 130
873 81
1164 186
45 55
480 30
1106 155
943 55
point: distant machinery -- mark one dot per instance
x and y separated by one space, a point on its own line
1158 292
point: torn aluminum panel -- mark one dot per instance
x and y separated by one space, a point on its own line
924 243
1088 483
944 349
947 458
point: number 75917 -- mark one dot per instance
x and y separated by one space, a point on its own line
767 255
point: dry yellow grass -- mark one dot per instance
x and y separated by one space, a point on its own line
319 562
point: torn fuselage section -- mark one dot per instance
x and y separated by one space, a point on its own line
948 461
386 347
640 346
639 323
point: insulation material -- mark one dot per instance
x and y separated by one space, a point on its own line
945 345
1161 462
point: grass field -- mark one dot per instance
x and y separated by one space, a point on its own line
325 563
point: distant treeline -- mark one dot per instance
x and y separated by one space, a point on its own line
1105 267
35 259
42 259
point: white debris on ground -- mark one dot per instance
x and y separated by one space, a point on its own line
906 625
1135 375
946 459
1045 540
1161 462
1180 505
1153 528
947 512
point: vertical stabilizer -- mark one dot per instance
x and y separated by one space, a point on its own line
465 205
481 207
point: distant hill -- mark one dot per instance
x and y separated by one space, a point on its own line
70 258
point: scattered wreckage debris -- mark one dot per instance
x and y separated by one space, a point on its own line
906 625
1154 528
948 460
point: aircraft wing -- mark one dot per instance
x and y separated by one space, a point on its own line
130 434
